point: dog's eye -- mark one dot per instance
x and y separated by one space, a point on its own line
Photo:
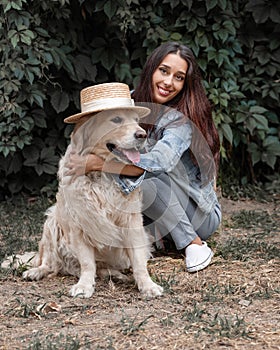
117 120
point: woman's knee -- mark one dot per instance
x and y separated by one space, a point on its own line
209 226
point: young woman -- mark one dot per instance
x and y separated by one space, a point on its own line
177 173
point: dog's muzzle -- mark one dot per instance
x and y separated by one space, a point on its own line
127 155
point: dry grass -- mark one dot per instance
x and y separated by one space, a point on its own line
233 304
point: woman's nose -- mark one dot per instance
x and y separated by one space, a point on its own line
167 80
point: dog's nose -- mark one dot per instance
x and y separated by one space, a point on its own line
140 134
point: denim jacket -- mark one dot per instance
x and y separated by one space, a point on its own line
168 150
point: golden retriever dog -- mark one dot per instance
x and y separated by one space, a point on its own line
94 227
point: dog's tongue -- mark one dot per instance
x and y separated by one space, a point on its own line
132 155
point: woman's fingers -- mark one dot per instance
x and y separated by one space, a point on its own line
76 165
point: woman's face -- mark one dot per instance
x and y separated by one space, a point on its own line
168 79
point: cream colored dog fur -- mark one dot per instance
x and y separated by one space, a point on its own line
93 225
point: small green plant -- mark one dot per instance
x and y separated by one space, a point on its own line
194 315
212 293
245 248
58 342
22 309
167 321
17 267
254 219
199 320
259 224
227 327
131 325
166 281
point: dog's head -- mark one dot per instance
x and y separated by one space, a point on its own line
111 134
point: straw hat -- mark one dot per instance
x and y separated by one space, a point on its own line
103 97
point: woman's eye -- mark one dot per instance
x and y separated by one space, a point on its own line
163 70
117 120
179 77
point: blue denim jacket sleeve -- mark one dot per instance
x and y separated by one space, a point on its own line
167 152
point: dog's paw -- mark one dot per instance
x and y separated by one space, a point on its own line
35 274
81 291
151 290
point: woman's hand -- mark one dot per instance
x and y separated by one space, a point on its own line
80 165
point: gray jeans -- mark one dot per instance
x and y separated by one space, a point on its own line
173 212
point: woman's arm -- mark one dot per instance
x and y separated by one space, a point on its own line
168 150
81 165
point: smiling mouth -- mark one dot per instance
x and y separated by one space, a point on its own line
163 92
131 154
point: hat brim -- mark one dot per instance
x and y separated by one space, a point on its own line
141 111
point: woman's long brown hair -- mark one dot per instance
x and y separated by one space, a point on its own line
192 101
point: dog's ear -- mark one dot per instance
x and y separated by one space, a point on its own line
81 139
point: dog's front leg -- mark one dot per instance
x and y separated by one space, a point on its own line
86 257
141 275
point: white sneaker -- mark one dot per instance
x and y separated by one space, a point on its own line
198 257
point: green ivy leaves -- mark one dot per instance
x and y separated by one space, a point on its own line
50 50
264 10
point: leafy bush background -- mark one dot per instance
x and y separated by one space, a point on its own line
50 50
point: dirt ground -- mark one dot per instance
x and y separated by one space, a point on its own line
233 304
